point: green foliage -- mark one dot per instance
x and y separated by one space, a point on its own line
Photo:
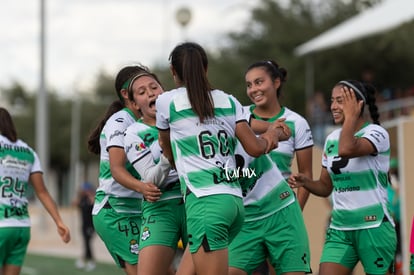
388 56
59 129
104 89
274 31
23 111
165 77
15 94
272 34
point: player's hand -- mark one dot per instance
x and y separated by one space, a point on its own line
297 180
284 130
351 106
64 232
151 192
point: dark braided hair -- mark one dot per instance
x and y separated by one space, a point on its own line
365 92
371 101
273 69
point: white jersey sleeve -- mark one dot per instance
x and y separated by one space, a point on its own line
163 110
379 137
303 134
242 114
37 167
140 156
114 131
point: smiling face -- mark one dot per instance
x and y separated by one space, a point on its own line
145 91
260 88
337 105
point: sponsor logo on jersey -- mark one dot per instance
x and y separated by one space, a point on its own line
115 134
371 218
140 146
284 195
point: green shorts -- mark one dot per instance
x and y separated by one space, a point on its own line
412 263
13 245
163 223
120 233
281 237
213 221
374 247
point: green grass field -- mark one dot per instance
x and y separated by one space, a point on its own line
48 265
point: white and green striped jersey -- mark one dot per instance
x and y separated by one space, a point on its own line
265 190
301 138
203 152
17 162
359 195
112 135
143 151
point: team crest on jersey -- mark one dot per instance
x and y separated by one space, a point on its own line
133 246
140 146
145 234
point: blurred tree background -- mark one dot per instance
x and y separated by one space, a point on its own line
273 32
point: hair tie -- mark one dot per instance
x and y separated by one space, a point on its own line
276 66
358 91
126 84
